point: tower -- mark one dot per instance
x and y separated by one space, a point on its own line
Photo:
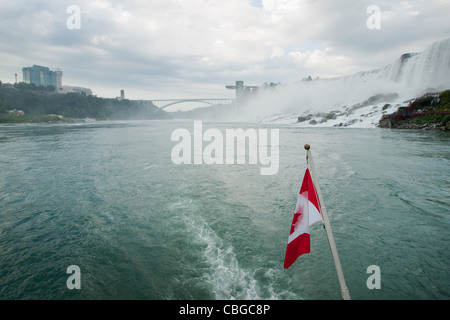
239 90
239 87
242 92
59 74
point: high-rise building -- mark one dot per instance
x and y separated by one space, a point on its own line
42 76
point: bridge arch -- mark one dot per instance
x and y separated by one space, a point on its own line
184 101
165 103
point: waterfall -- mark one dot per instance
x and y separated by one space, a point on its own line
430 69
412 73
409 76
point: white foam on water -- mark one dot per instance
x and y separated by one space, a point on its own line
218 267
227 279
218 261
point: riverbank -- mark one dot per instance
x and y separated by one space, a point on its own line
20 104
12 118
430 111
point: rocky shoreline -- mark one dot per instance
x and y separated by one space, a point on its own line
426 126
431 111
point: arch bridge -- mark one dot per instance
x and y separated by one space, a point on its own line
165 103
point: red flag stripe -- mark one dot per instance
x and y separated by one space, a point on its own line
308 186
296 248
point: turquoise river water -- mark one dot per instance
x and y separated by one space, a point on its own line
107 198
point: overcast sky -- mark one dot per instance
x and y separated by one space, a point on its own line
156 49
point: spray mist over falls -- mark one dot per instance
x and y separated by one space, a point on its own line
357 99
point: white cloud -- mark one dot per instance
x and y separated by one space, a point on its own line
152 48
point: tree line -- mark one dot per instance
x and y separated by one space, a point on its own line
37 101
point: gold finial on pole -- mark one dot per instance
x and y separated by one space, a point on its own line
307 146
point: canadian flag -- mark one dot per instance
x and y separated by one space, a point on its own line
307 212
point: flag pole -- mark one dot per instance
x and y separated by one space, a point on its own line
344 291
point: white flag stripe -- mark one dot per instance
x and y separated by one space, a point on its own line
314 214
310 216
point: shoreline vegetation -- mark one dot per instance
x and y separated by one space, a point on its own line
51 118
26 103
430 111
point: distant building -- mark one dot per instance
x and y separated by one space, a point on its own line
122 95
242 92
74 89
7 85
16 112
59 74
42 76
